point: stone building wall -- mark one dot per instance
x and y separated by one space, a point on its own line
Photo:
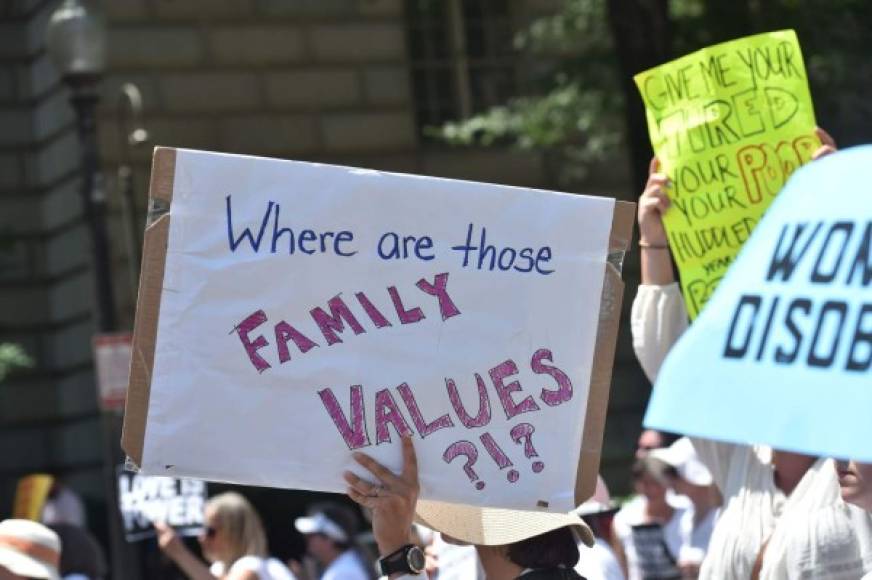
320 80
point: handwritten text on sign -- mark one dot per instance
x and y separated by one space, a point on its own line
324 309
729 124
790 327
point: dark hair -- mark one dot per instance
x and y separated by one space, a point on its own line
341 515
549 550
654 467
81 553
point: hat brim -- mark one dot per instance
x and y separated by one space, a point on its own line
495 526
306 525
24 565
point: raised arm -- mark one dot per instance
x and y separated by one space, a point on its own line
658 316
176 550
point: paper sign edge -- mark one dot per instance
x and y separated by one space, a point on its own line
623 220
154 252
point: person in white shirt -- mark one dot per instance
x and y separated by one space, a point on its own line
647 529
600 562
329 532
782 516
510 543
693 480
233 541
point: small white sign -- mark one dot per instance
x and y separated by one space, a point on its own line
144 500
112 360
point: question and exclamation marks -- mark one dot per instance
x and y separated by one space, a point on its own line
524 432
499 457
521 433
468 449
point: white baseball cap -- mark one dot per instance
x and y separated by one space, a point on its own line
600 503
321 524
682 456
29 549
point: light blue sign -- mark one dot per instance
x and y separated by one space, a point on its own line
782 353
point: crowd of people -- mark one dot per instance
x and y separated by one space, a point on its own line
702 509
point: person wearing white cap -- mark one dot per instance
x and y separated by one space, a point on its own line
647 529
693 480
510 543
329 532
600 563
28 550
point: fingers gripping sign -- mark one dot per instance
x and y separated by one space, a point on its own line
828 144
392 498
653 203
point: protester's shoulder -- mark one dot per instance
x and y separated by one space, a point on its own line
824 541
278 571
347 567
631 513
247 563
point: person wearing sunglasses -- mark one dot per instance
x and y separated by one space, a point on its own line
233 542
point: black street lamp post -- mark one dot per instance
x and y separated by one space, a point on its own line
75 40
76 43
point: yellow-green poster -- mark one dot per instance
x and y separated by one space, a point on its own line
729 124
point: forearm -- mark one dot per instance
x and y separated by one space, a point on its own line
656 266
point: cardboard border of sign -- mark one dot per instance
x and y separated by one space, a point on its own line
148 309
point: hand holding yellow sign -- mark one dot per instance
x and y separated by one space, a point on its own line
729 124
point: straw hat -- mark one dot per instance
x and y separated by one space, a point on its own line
495 526
29 549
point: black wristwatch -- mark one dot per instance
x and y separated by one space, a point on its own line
409 560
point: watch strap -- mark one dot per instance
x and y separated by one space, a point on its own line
398 561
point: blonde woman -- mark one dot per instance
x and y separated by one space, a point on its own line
233 541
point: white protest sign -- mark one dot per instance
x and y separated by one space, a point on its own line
144 500
304 311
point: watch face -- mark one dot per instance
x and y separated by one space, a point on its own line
415 559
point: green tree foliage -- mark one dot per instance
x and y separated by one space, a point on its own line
574 113
12 356
580 108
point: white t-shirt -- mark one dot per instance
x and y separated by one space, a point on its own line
598 562
695 540
265 568
651 549
346 567
456 562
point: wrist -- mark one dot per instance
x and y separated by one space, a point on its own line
388 546
408 559
647 245
652 239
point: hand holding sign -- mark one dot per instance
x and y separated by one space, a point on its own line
653 203
392 500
